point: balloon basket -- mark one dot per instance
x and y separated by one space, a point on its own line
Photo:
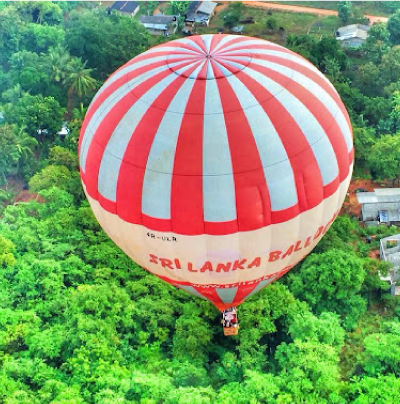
231 330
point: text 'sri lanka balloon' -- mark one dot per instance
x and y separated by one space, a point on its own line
217 162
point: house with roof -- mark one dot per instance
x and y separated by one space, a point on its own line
200 12
390 252
380 206
129 8
352 36
159 24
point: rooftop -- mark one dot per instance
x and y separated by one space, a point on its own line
352 31
382 195
207 7
157 19
125 6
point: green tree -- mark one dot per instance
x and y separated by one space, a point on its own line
393 26
331 281
309 369
148 7
368 79
51 175
79 81
384 158
57 63
390 6
25 145
345 11
38 38
28 71
364 138
233 14
192 338
382 351
40 12
9 153
271 23
60 156
381 389
324 329
36 113
92 36
7 248
178 7
377 43
10 34
390 66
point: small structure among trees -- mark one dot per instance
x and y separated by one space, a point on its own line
130 8
352 36
200 12
159 24
390 252
380 206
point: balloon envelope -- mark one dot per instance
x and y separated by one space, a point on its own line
216 162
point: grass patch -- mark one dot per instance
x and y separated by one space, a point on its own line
107 3
292 23
380 8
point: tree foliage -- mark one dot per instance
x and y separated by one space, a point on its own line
345 11
82 324
92 36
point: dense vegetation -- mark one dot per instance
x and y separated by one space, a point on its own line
80 323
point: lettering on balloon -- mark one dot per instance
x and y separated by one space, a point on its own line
243 263
161 237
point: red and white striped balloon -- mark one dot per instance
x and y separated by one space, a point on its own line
217 162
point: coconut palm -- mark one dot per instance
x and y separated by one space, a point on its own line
25 145
58 60
79 81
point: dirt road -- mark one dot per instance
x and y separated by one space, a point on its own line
298 9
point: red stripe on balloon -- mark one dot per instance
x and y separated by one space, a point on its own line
311 74
107 127
215 40
305 167
253 205
108 205
221 228
211 295
244 291
242 44
279 216
117 84
331 188
131 175
320 113
187 182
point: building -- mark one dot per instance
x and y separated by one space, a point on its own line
380 206
390 252
352 36
200 12
159 24
126 7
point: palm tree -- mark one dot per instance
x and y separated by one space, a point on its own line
79 81
58 61
25 146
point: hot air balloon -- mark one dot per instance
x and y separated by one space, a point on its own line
216 162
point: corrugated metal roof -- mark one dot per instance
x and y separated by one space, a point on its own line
387 191
125 6
157 19
207 7
380 196
161 27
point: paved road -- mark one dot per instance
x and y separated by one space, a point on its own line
299 9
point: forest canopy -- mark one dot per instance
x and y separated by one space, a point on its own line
81 323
